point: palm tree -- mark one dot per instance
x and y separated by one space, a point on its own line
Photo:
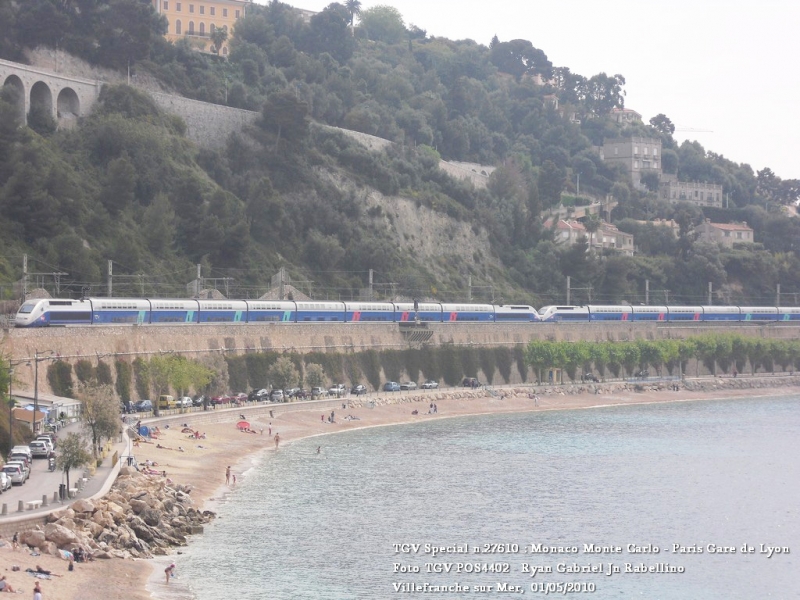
592 224
354 8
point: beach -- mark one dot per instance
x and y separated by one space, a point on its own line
202 464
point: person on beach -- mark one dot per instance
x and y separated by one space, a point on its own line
277 440
37 591
169 571
228 476
270 429
15 541
5 586
319 449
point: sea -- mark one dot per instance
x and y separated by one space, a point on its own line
687 500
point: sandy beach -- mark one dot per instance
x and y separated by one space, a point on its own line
202 464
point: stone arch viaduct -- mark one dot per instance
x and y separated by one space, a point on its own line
64 98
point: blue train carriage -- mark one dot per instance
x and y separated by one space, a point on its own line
271 311
721 313
174 311
320 311
610 312
458 313
427 312
685 313
45 312
369 312
650 313
515 313
120 311
566 314
222 311
759 313
789 313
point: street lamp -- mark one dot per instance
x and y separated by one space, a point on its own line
10 410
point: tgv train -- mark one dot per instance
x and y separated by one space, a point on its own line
567 314
142 311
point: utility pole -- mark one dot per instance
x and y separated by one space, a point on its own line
371 294
281 278
778 296
568 282
710 293
24 276
110 273
647 292
469 288
198 284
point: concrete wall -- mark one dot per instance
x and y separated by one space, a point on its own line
91 343
208 125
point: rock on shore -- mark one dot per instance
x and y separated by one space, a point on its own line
142 516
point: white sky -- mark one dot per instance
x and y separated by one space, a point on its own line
725 66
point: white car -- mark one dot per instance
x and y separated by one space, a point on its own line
408 386
430 385
14 473
26 472
185 402
5 481
39 449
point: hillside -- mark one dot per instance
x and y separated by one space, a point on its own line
292 192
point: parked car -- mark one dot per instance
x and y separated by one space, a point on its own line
51 436
22 450
358 390
23 458
143 406
26 470
337 390
47 442
218 400
258 395
166 402
198 400
643 374
302 394
14 473
391 386
39 449
430 385
126 406
277 396
471 382
5 481
408 386
317 392
590 377
185 402
291 392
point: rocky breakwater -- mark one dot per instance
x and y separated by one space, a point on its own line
142 516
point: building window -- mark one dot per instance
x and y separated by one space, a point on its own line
191 27
616 151
655 151
224 12
655 164
178 6
727 234
225 51
213 10
178 27
636 164
636 149
166 5
212 29
237 13
191 8
695 193
739 234
646 150
202 28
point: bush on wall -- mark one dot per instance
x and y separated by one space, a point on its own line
371 366
84 371
123 385
59 376
104 376
141 374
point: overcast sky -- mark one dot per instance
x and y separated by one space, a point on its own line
722 70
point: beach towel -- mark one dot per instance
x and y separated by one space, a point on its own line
66 555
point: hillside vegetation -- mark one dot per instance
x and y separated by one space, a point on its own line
126 185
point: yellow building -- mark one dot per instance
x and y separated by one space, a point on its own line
196 20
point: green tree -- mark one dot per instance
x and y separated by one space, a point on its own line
99 413
72 454
663 124
383 23
354 8
551 182
283 374
219 36
314 375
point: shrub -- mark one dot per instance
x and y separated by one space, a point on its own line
141 374
104 376
123 385
371 366
59 376
84 371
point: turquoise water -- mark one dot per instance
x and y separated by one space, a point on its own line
303 525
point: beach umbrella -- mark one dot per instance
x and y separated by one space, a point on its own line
243 425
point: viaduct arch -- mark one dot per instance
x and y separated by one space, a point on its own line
62 97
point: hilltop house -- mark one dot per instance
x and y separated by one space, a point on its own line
196 20
637 154
607 236
726 234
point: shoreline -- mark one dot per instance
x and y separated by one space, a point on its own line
202 464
